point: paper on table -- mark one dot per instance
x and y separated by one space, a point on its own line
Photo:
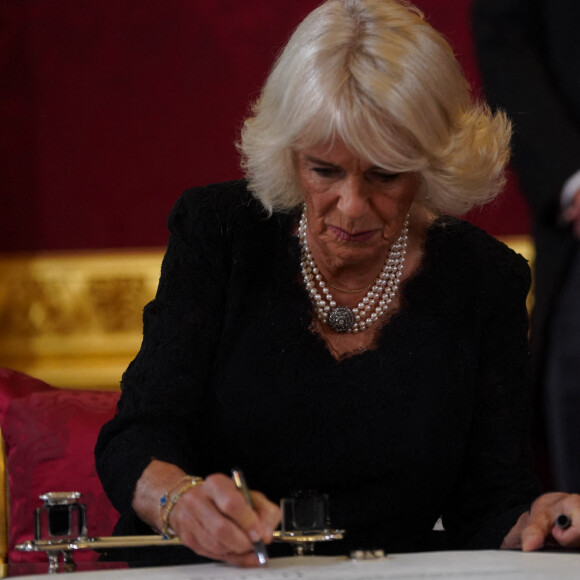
472 565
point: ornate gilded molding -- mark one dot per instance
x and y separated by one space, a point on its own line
75 319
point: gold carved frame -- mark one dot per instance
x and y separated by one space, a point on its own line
74 319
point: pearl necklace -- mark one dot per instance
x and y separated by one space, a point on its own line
380 295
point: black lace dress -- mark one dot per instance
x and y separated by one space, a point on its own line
433 422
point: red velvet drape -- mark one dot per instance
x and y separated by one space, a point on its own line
108 110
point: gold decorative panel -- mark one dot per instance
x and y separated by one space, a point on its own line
75 319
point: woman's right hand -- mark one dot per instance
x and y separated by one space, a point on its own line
214 520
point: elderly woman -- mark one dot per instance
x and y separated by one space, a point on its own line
327 326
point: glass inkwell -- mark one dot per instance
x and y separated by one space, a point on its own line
305 521
60 520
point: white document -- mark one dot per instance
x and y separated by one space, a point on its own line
471 565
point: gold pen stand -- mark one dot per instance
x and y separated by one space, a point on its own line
60 529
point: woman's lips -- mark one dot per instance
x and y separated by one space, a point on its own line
352 237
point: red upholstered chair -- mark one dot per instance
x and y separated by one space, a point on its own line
48 439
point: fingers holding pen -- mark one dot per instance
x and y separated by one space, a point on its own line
269 514
215 521
201 525
206 517
234 506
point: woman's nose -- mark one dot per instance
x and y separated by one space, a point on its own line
353 200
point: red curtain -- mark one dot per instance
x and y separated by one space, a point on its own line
108 110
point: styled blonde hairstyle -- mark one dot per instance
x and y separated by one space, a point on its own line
374 74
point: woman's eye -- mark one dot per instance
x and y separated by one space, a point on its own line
325 171
384 176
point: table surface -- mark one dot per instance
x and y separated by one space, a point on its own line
472 565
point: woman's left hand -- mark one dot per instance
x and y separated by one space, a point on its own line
538 528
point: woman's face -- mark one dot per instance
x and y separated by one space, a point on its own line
355 209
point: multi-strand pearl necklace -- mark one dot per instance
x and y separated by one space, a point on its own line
380 295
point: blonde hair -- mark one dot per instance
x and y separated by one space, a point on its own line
374 74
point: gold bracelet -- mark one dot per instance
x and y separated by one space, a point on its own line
164 499
166 531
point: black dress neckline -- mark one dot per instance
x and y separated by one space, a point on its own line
427 264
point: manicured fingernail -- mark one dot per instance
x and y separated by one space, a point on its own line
254 536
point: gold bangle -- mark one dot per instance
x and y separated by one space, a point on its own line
166 531
164 499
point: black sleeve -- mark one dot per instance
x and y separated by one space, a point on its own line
521 74
160 412
496 484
